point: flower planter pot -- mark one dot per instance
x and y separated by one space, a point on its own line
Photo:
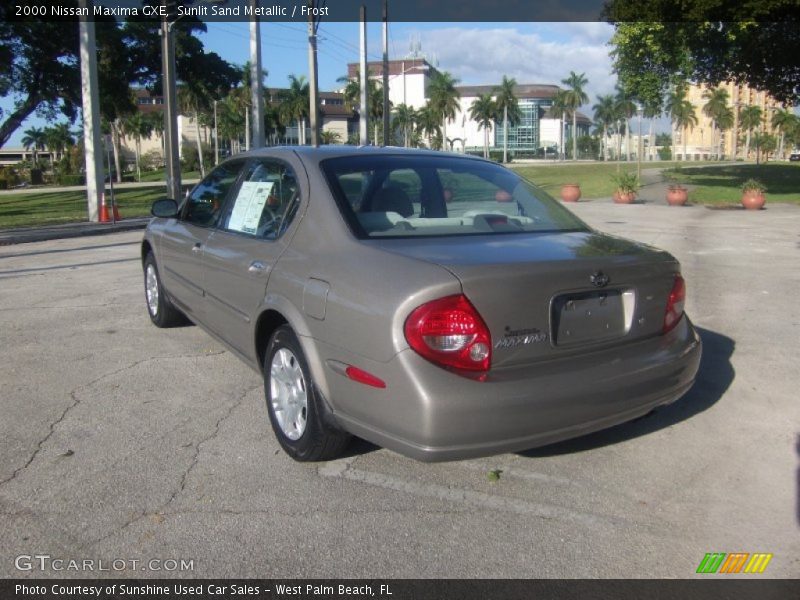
753 200
570 192
677 196
624 197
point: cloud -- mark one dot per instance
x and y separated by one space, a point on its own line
483 56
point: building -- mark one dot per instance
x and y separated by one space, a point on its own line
699 142
409 81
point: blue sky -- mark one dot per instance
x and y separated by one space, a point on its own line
476 53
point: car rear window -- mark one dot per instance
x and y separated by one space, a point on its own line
415 196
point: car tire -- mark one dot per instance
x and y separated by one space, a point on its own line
161 310
296 409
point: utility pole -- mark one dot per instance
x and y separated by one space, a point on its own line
313 76
91 115
363 125
255 80
171 141
385 73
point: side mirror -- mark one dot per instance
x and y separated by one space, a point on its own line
165 208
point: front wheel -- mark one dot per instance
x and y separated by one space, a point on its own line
294 405
161 310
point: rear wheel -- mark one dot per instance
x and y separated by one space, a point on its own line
295 408
161 310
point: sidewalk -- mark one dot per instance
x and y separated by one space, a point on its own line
22 235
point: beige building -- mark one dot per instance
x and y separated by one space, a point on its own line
699 142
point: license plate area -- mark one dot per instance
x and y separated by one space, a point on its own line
591 317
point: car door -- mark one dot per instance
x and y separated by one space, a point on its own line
183 241
239 256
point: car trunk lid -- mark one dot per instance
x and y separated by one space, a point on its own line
547 295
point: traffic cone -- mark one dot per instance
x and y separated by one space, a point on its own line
104 218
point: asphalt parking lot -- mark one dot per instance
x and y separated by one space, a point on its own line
122 441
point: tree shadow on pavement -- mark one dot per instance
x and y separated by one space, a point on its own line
713 379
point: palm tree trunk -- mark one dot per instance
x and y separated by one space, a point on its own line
485 142
605 142
652 144
780 145
747 146
138 148
685 142
575 134
199 144
674 146
505 134
444 134
405 136
627 140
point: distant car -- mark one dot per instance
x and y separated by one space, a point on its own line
794 157
435 304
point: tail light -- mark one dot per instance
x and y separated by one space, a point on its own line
675 303
450 332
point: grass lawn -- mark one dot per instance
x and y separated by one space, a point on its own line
159 175
48 208
594 178
721 184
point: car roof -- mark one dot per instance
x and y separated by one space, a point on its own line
315 155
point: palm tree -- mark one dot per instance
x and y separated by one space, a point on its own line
626 108
137 126
295 105
352 97
716 106
749 119
575 97
404 118
444 98
605 113
156 120
192 99
559 110
783 121
58 138
508 104
686 119
429 123
230 122
34 139
679 110
330 137
724 122
651 110
484 110
375 100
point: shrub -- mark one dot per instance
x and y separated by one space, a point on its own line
627 183
753 186
152 160
189 160
70 179
665 153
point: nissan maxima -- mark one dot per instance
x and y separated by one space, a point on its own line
434 304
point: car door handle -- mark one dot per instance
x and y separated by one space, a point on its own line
257 267
197 247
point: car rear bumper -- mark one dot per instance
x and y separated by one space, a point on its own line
433 415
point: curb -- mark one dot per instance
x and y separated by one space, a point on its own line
25 235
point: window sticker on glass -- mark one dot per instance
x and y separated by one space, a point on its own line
249 205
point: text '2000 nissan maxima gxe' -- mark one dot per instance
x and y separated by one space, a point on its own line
434 304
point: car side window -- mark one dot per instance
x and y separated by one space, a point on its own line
265 202
205 203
